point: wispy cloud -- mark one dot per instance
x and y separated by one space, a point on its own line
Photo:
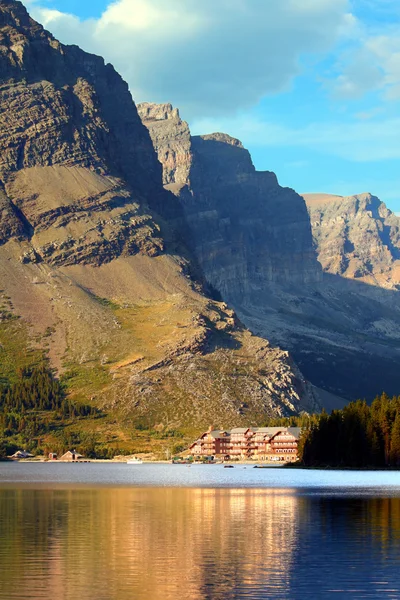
358 141
370 61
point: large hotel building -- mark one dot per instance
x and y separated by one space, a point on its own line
241 443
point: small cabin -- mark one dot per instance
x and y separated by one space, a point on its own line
71 456
22 454
53 456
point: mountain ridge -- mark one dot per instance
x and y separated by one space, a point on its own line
94 266
254 241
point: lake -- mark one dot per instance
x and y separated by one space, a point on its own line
117 532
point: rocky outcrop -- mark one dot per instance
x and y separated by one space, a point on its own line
79 217
245 230
92 251
63 111
11 222
356 237
171 140
62 106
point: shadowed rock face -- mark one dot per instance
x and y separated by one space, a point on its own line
90 257
246 230
253 240
356 237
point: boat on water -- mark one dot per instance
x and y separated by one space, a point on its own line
134 461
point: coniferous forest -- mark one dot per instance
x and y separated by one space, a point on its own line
360 435
357 436
32 406
38 415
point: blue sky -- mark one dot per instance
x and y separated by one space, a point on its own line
311 87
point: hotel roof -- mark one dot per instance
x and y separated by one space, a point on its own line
295 431
268 430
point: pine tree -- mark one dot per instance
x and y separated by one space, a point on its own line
395 442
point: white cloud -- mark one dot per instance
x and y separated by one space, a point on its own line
372 60
361 74
386 49
210 56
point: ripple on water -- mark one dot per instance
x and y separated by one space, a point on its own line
112 532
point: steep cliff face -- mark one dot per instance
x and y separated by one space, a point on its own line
253 240
62 106
171 139
246 231
90 260
356 237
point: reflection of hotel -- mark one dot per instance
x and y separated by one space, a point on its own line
257 443
157 543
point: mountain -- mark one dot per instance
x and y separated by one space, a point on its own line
245 230
95 269
254 242
356 237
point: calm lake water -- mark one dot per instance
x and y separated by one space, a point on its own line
119 532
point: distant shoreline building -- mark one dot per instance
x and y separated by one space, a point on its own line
71 456
251 443
20 454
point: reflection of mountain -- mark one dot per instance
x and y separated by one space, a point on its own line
195 544
145 543
356 543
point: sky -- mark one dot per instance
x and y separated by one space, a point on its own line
311 87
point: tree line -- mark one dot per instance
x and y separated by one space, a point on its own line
34 405
359 435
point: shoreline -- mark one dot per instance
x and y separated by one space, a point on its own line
250 464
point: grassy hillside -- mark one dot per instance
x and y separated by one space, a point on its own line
134 338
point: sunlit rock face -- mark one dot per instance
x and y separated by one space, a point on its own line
62 106
356 237
171 139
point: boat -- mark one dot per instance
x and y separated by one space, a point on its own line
134 461
228 466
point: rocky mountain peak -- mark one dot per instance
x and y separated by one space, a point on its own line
65 106
14 13
64 111
157 112
253 239
245 230
223 156
357 237
171 139
224 138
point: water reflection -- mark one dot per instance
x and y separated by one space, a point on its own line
131 543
